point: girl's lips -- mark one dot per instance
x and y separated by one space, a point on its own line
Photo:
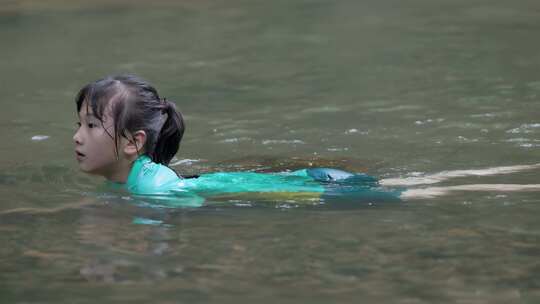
79 155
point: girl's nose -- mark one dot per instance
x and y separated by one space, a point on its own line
77 138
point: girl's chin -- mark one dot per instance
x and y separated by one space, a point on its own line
84 168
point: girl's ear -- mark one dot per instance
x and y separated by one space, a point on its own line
134 147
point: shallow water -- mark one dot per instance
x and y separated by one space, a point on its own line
383 87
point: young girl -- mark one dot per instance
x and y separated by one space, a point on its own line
128 134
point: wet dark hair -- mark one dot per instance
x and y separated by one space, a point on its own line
135 105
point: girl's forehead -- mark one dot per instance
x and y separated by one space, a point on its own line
86 110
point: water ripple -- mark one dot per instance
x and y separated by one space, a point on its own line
524 128
282 141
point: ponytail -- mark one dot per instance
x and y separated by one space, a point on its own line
169 137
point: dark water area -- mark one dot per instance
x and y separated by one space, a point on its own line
389 88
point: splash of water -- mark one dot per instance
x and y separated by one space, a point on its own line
446 175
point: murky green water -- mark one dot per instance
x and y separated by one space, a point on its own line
383 87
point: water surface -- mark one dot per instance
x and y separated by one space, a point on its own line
383 87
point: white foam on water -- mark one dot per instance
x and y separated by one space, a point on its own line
354 131
519 139
487 115
324 109
428 121
524 128
465 139
399 108
186 161
432 192
337 149
446 175
234 140
40 137
282 141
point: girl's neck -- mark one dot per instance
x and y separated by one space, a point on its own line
120 172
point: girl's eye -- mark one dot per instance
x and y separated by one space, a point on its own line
91 125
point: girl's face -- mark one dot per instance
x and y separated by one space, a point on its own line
94 144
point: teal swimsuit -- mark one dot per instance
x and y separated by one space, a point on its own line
156 181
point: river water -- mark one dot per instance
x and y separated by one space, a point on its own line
389 88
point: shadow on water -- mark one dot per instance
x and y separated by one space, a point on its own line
263 164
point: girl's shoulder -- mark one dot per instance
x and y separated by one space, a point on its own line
147 177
